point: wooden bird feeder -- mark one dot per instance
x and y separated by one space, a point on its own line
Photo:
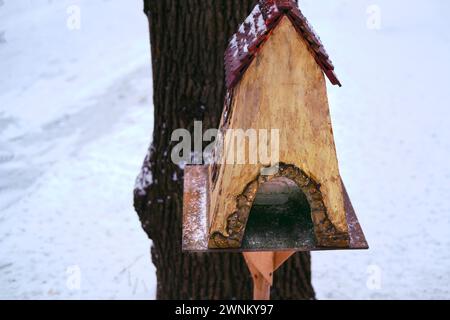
275 76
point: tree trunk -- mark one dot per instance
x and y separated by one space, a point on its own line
188 41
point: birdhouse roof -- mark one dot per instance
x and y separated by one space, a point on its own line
257 28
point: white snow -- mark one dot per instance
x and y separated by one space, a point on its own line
143 181
252 27
76 119
75 123
391 127
260 24
255 22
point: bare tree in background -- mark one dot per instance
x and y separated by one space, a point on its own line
188 41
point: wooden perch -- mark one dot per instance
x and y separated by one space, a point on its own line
262 266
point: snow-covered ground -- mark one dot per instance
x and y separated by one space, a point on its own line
391 122
75 122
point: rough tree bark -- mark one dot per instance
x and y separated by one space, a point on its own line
188 40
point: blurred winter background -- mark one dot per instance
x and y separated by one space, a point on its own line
76 119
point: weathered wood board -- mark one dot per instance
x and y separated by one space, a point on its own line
284 88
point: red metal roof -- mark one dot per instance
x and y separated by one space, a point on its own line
256 29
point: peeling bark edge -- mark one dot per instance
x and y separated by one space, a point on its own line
325 232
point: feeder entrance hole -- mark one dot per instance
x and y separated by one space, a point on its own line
280 217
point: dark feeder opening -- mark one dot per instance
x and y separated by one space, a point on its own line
280 217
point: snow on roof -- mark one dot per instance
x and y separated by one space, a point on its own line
256 29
